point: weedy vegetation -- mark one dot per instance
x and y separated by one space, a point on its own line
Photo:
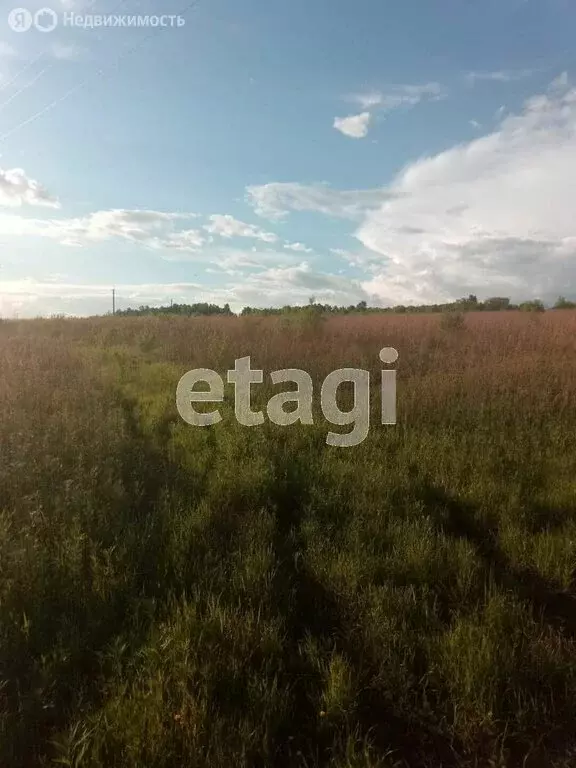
176 596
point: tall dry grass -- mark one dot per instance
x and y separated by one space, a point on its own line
230 596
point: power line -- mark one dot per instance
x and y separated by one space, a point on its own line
21 71
25 87
36 59
38 76
40 113
99 73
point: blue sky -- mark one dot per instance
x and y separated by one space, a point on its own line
265 152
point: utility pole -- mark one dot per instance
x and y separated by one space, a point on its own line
113 301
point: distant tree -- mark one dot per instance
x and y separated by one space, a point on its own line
188 310
532 306
469 303
562 303
497 303
312 308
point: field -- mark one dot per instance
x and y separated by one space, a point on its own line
230 596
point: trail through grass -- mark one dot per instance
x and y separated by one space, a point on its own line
241 596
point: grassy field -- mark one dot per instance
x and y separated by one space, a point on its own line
175 596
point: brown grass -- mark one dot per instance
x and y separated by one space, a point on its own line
174 596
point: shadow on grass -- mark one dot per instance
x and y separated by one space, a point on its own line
58 672
461 520
548 605
310 610
306 608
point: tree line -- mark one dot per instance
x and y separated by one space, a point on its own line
188 310
468 304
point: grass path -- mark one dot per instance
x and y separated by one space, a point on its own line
175 596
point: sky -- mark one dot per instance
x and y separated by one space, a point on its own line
262 153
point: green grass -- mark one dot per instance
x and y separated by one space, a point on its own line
237 596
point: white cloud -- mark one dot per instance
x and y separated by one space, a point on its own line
149 228
275 200
475 124
272 286
360 258
355 126
493 215
299 247
227 226
190 240
30 298
561 82
396 96
65 52
153 229
367 100
137 225
242 262
489 216
294 285
17 189
238 260
393 97
410 95
500 76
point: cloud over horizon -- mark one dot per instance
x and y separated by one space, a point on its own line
494 214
